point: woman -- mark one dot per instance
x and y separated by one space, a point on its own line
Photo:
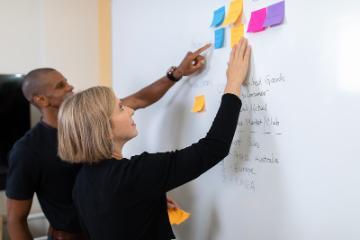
118 198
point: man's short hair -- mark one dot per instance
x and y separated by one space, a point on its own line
84 127
34 82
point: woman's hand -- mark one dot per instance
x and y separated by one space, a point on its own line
238 67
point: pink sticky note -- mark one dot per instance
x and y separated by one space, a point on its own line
257 20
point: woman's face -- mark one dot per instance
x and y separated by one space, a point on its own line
123 126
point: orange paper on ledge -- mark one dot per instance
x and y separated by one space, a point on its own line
177 216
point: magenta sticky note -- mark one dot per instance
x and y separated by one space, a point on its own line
275 14
257 20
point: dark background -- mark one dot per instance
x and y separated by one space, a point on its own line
14 118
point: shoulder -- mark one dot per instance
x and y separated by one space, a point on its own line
151 160
31 137
27 146
151 156
20 152
143 155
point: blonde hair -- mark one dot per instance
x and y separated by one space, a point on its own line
84 128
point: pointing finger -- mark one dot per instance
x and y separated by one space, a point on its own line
202 49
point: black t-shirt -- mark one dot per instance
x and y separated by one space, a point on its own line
34 167
125 199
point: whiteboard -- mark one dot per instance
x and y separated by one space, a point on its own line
293 168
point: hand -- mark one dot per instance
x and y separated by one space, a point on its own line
192 62
238 65
171 204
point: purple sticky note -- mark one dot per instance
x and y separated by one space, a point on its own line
257 20
275 14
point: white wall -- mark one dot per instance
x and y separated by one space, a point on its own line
70 40
20 38
62 34
56 33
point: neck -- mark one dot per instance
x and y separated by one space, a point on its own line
49 116
117 153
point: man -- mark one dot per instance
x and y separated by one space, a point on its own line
34 166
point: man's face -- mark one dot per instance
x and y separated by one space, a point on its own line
57 89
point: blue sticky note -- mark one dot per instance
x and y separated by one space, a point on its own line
219 38
219 16
275 14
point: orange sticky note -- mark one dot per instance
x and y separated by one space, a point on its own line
237 32
235 11
177 215
199 104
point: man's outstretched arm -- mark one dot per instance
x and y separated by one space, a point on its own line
192 63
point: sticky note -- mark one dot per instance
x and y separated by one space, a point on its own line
237 32
177 215
219 16
199 104
275 14
257 20
219 38
235 11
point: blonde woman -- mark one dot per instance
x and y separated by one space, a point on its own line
121 198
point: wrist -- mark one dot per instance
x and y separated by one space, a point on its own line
235 81
233 88
178 73
174 74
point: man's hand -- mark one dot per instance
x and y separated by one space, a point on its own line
192 62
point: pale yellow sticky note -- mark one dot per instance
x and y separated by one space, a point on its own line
235 11
237 32
199 104
177 215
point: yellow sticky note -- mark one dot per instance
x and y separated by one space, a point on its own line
177 215
235 11
199 104
237 32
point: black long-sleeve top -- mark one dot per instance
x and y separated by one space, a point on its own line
126 199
